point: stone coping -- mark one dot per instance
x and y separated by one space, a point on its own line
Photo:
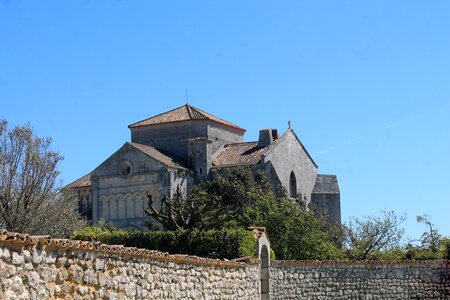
300 263
15 239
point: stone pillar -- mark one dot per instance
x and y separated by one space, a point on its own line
265 273
262 248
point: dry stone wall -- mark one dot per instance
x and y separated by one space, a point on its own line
44 268
360 280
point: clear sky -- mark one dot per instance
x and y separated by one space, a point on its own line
366 84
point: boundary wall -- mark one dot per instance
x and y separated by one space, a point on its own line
360 280
39 267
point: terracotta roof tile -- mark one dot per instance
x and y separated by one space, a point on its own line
84 181
240 154
162 156
12 239
183 113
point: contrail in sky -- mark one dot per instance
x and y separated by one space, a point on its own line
380 130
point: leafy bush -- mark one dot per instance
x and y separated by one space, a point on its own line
227 243
398 253
294 232
440 251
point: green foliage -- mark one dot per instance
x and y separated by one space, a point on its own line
432 244
294 232
241 199
419 253
389 254
211 203
93 233
196 210
272 254
210 222
298 236
431 238
228 243
372 235
446 247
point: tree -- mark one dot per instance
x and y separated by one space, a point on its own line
30 201
368 236
295 234
430 238
432 244
211 203
194 211
239 199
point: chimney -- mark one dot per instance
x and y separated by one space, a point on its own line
275 134
265 137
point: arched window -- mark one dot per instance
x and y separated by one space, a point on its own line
292 185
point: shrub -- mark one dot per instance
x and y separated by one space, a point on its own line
226 243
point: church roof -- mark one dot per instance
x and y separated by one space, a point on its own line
162 156
326 184
84 181
184 113
240 154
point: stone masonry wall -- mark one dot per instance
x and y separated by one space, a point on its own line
40 267
360 280
45 268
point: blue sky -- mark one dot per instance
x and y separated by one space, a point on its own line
366 84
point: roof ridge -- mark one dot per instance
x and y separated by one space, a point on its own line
156 115
184 113
208 116
240 143
134 143
188 107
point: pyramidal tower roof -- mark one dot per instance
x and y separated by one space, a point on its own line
184 113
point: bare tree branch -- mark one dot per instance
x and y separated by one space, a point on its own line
29 191
373 234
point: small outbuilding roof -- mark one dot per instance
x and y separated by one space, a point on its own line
184 113
326 184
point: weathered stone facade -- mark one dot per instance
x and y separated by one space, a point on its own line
177 148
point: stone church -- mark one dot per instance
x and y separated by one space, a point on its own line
182 146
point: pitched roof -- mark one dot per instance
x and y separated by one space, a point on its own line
162 156
240 154
326 184
183 113
84 181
